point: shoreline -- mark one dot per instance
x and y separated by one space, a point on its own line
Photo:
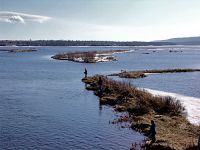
174 131
145 73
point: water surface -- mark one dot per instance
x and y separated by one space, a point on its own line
44 104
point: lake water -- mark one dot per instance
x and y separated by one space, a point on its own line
44 104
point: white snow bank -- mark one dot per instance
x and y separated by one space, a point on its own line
192 104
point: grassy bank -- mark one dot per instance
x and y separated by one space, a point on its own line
144 73
174 131
88 57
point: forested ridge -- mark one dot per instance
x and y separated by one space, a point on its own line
78 43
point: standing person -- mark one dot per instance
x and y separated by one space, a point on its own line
85 72
100 83
153 131
198 143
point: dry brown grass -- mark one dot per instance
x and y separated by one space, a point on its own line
173 129
87 57
141 100
142 73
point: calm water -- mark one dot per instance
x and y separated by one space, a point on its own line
44 104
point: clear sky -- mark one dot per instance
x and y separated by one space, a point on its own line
120 20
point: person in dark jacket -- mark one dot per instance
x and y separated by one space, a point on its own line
198 143
100 84
153 131
85 72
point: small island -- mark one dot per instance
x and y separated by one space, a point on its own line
21 50
174 131
89 56
144 73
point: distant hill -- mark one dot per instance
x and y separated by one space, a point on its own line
183 41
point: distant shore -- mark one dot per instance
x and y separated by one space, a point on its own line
78 43
89 56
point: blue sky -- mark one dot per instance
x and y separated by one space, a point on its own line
120 20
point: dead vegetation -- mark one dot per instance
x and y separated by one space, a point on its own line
174 131
87 57
144 73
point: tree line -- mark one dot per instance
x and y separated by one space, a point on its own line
78 43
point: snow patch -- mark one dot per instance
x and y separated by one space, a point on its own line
191 104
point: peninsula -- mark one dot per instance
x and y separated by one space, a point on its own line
174 131
144 73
